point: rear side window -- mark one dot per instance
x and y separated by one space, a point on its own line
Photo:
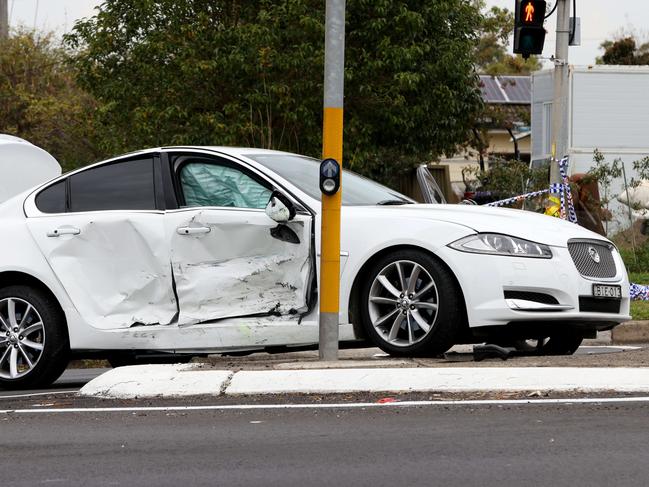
126 185
52 199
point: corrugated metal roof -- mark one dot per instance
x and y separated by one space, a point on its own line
515 90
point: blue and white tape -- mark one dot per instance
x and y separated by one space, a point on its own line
562 189
639 292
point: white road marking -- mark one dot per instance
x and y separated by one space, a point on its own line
354 405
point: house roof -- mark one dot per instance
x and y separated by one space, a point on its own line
510 90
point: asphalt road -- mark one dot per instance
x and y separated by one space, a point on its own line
432 445
71 380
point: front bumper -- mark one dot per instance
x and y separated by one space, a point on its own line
484 280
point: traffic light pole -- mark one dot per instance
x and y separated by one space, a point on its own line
560 100
332 148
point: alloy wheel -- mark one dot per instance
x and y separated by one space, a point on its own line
22 338
403 303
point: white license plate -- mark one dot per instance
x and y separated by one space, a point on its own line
606 291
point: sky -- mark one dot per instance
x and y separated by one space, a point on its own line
600 20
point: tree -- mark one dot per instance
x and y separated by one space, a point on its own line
624 51
40 100
250 73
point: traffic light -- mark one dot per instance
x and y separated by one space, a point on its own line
529 34
329 177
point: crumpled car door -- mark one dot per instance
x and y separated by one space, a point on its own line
114 266
230 259
231 262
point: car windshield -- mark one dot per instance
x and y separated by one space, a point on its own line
304 172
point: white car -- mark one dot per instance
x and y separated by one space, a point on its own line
177 250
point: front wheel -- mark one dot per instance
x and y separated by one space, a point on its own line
410 305
34 345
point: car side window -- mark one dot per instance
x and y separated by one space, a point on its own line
52 199
124 185
208 184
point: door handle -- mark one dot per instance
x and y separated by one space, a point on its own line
192 230
63 231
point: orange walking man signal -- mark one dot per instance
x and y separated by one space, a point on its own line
529 33
529 12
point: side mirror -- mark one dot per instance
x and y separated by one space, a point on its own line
280 208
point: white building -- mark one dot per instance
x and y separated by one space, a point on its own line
608 110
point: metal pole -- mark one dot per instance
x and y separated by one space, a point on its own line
4 19
332 147
560 102
628 202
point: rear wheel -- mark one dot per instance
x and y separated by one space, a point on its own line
410 305
34 346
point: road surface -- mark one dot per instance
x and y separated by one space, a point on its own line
496 445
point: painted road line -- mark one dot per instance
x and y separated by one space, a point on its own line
355 405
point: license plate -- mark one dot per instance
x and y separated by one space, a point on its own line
607 291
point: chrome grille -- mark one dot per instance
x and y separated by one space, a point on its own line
584 254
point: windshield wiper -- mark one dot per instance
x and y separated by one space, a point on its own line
393 202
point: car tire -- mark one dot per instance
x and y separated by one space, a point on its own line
34 344
411 305
565 343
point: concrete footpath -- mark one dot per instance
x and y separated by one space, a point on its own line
592 369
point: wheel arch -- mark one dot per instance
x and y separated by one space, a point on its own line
355 297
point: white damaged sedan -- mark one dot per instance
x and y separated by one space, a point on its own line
181 251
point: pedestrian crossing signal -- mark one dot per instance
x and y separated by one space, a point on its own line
529 34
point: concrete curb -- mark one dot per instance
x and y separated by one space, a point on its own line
157 381
631 332
184 380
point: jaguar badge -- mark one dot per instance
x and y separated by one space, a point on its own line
594 255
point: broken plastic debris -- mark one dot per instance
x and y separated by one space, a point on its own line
386 400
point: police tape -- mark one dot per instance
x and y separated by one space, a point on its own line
565 195
638 292
567 209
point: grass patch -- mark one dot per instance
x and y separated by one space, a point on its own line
639 277
640 310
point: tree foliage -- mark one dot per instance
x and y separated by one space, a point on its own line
250 73
40 100
624 51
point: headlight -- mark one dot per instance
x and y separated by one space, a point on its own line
497 244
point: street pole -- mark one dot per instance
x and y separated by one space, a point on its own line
560 101
332 148
4 19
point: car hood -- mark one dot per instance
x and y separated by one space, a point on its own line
524 224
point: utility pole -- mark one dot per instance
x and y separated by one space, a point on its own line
560 101
4 19
330 172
